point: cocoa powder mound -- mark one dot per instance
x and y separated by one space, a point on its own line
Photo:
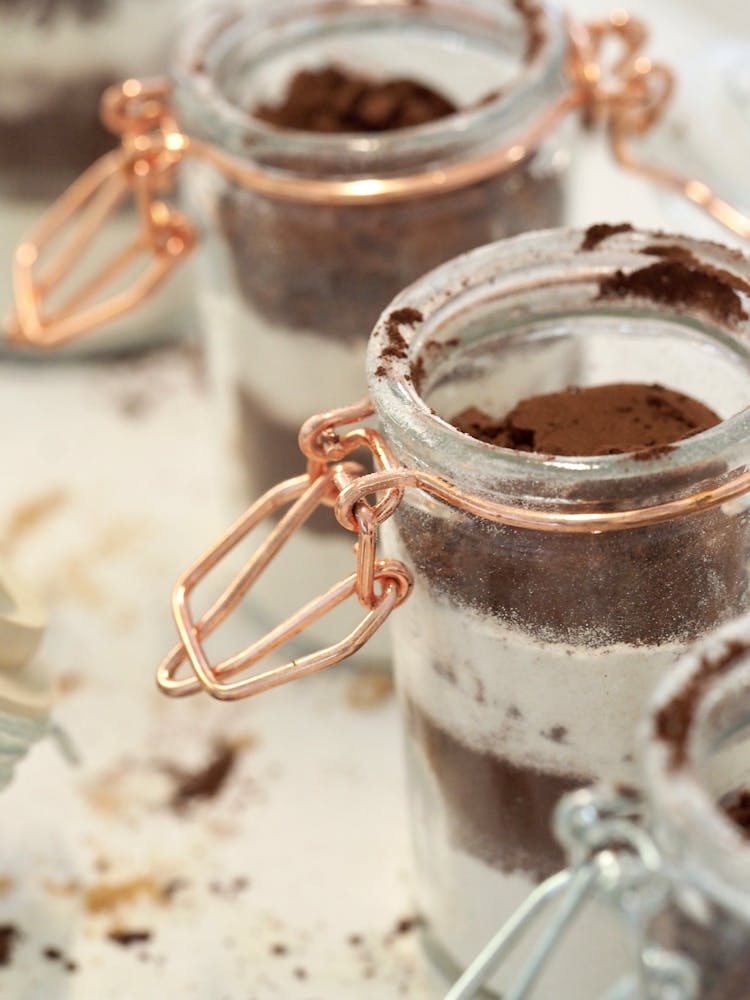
598 420
332 99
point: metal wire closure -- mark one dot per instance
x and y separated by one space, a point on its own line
327 440
142 168
380 585
612 858
626 98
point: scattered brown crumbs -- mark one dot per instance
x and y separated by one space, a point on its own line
56 955
9 937
127 939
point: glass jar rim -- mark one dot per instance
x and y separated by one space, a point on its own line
492 272
217 119
690 826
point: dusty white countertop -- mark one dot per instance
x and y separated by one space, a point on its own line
292 882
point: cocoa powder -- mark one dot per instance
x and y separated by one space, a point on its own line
598 420
332 99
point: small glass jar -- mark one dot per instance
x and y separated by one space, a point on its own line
526 652
58 57
290 287
697 775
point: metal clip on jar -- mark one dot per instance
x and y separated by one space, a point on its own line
541 596
677 866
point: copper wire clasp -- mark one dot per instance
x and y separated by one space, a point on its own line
143 166
380 585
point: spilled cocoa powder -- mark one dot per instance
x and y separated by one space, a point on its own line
205 782
126 939
333 99
601 231
599 420
676 283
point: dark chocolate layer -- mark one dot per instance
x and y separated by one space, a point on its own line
333 269
497 811
43 151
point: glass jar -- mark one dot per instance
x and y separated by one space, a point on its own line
526 652
291 286
697 774
58 58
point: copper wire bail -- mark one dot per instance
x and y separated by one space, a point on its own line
626 98
380 585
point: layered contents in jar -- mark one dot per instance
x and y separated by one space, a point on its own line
541 654
310 280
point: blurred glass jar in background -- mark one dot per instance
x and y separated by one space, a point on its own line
290 285
57 57
697 774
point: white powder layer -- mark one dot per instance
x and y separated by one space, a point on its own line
292 373
130 39
559 708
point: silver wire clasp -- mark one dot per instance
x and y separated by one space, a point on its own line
612 857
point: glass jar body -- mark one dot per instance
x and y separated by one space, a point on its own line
697 777
62 58
524 657
290 288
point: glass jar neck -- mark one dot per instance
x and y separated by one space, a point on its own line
503 64
694 754
545 311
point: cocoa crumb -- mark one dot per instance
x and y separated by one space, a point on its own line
9 937
300 973
56 955
557 734
406 925
206 782
279 950
397 346
127 939
601 231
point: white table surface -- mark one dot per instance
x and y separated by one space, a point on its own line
107 493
